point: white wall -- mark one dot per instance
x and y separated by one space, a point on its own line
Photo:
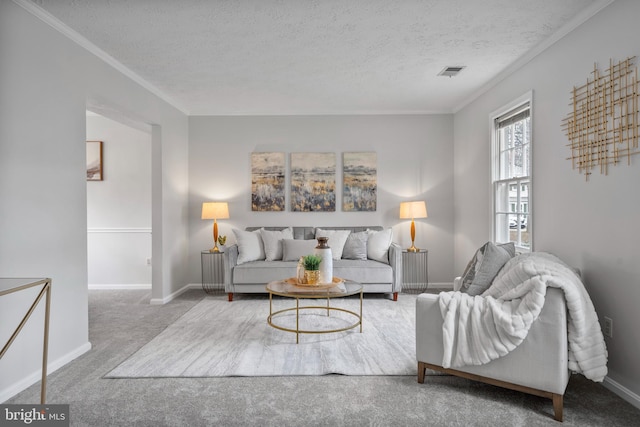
119 206
46 82
414 162
591 225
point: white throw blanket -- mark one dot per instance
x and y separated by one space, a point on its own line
478 329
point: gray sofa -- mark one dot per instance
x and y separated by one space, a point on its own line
252 276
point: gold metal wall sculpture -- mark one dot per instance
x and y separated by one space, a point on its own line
603 127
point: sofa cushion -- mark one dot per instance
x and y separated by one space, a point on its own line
293 249
264 271
484 266
272 241
269 271
378 245
337 239
364 272
250 247
356 246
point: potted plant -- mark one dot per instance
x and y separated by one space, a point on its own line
312 268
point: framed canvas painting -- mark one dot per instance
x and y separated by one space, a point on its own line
359 182
94 161
313 182
267 182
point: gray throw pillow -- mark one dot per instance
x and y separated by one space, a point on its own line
484 266
356 246
293 249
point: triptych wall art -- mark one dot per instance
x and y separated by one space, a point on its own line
313 182
267 181
359 182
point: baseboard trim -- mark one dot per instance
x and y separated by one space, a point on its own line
36 376
120 286
622 391
174 295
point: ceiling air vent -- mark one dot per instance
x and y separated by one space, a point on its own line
451 71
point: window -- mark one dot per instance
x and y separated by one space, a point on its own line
512 176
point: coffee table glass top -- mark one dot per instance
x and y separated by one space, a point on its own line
344 289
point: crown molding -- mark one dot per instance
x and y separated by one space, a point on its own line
206 113
74 36
574 23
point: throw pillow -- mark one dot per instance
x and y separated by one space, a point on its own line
356 246
378 245
484 266
250 247
293 249
272 240
337 239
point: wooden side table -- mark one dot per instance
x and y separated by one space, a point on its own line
415 271
212 271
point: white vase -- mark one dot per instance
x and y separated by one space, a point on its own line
326 266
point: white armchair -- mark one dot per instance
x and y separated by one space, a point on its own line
538 366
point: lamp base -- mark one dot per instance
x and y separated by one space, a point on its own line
215 237
413 249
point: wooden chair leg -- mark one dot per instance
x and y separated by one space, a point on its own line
230 296
395 296
421 371
557 406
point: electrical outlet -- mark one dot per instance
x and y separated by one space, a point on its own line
148 261
608 327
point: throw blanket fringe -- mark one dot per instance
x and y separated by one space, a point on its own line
479 329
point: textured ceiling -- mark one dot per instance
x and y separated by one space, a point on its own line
317 56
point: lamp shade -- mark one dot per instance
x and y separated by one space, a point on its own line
411 210
215 210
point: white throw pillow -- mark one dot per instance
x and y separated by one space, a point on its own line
293 249
250 247
378 245
337 239
272 241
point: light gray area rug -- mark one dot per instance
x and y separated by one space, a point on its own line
220 339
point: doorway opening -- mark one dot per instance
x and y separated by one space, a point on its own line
119 227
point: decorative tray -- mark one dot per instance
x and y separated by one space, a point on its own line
294 281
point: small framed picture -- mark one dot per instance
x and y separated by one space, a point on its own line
94 160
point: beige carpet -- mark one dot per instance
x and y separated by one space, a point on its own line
219 339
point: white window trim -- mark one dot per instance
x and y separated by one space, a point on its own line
495 173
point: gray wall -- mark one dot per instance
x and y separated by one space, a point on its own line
414 162
119 206
591 225
46 82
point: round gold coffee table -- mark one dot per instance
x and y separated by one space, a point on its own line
289 290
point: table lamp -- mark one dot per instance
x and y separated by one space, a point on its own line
413 210
215 211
